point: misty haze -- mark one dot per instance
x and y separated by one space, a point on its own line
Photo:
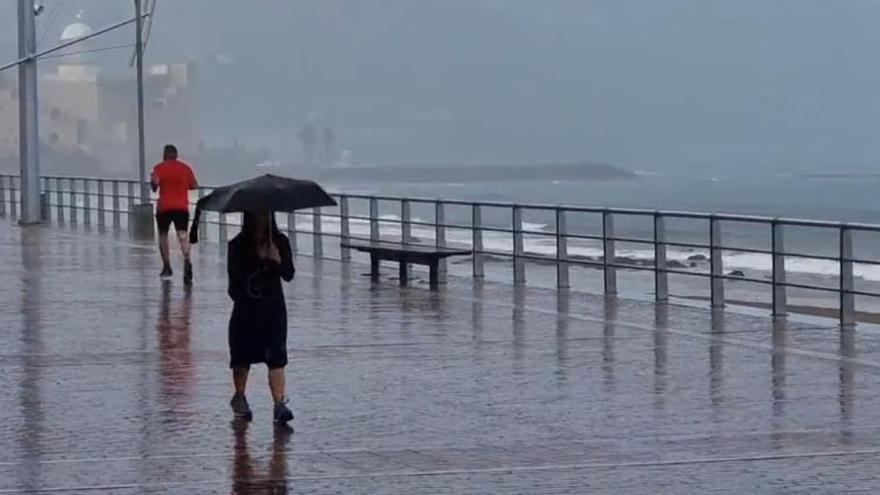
440 246
708 89
765 107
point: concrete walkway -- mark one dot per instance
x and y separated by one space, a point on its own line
115 382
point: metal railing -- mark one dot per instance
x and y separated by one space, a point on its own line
104 201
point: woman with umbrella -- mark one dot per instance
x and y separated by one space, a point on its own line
259 258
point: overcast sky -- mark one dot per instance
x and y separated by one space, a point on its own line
780 85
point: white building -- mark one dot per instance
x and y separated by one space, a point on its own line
87 112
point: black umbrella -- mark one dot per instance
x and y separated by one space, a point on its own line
267 193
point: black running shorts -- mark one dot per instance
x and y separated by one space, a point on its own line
180 219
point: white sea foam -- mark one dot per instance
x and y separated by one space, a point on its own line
544 245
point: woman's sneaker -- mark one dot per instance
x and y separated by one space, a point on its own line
166 272
282 414
187 272
240 407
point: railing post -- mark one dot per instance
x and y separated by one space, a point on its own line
562 269
101 203
130 203
115 203
405 221
291 231
45 200
608 249
344 228
519 267
374 220
9 196
2 195
780 301
661 276
87 203
223 234
203 223
406 228
59 197
74 214
847 278
13 203
440 237
477 241
716 270
317 233
131 195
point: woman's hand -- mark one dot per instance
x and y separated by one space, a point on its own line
269 252
273 254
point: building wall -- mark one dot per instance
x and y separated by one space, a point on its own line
171 108
82 111
75 96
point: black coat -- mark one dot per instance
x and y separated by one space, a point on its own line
258 326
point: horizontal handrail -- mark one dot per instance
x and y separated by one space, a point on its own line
727 217
75 195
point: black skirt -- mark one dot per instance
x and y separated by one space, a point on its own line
258 326
258 333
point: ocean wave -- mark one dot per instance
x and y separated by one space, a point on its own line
546 246
535 227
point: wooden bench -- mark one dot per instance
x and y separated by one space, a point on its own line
409 253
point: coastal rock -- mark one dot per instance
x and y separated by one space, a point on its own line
698 257
737 273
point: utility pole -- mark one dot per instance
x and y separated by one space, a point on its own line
28 113
139 55
141 220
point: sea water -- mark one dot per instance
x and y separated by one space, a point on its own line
847 199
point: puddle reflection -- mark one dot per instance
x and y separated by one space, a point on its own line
249 477
608 330
30 400
716 362
661 338
176 374
847 386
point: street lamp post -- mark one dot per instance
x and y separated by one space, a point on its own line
142 213
139 54
28 113
29 141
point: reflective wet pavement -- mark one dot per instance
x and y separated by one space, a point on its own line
117 383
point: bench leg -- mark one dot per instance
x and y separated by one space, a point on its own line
433 275
404 275
374 267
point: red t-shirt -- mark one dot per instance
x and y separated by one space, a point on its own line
175 179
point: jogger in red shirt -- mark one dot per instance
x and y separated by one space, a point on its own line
173 179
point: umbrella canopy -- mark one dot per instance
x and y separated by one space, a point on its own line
267 193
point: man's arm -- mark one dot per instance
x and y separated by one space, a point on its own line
154 181
193 183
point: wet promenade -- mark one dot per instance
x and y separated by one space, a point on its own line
114 382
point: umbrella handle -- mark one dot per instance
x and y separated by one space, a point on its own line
269 239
